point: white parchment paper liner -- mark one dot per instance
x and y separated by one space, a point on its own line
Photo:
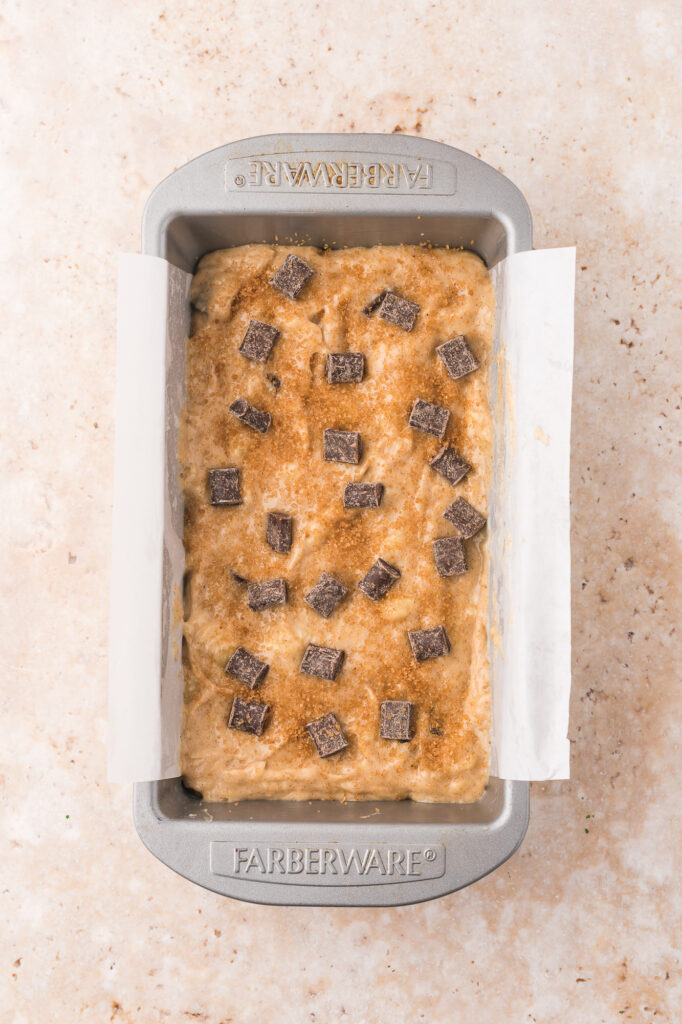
529 522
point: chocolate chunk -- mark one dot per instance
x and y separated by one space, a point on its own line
326 734
449 556
251 416
432 419
465 517
362 495
266 594
458 357
379 580
247 668
291 276
400 312
396 720
274 382
374 304
345 367
249 716
342 446
258 341
449 464
326 595
225 486
278 532
323 662
429 643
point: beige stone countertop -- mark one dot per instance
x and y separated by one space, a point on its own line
579 104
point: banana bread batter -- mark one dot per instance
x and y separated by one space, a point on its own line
282 469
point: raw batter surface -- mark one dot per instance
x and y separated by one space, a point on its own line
284 470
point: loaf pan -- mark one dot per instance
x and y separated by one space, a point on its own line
336 190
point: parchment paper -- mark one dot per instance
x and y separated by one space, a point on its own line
530 610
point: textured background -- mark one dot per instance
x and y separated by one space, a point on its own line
579 103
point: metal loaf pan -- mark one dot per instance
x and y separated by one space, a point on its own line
336 190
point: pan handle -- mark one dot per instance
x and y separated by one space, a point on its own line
317 175
270 856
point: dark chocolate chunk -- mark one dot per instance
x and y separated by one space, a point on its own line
374 304
266 594
326 595
396 720
225 486
291 276
379 580
326 734
249 716
251 416
432 419
398 311
345 367
362 495
275 382
465 517
342 446
449 464
458 357
449 556
247 668
322 662
429 643
258 341
278 532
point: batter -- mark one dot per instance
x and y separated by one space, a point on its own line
275 437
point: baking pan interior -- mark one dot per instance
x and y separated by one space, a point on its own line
183 239
188 237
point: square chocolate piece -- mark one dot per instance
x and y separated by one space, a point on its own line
327 736
247 668
458 357
326 595
362 495
258 341
379 579
248 716
342 446
322 662
345 367
449 464
429 643
432 419
449 556
251 416
279 532
266 594
396 720
465 517
225 486
398 311
291 276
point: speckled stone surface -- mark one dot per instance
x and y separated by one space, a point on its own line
579 103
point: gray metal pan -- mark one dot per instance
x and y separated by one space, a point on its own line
333 190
